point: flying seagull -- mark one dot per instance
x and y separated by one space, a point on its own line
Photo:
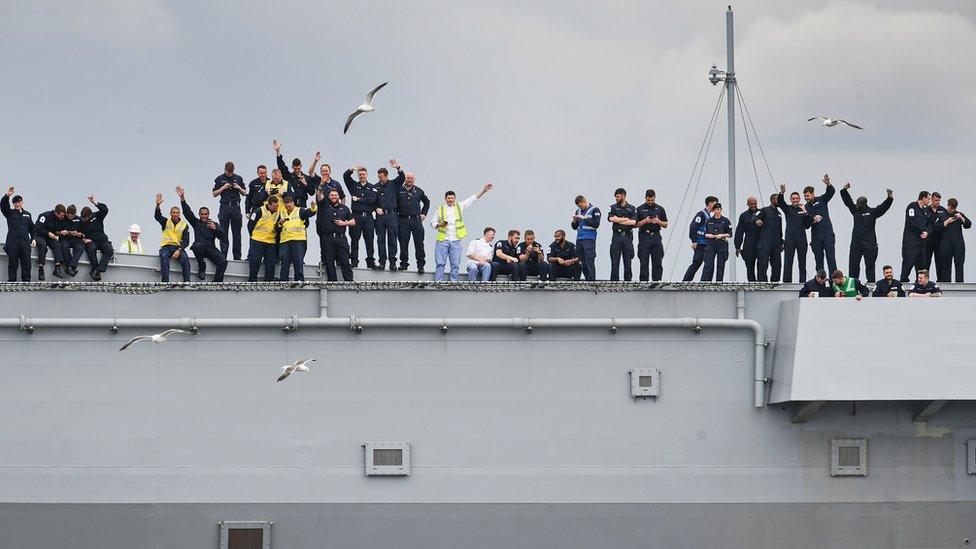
297 366
831 122
365 107
158 338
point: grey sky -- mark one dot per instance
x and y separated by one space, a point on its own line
124 99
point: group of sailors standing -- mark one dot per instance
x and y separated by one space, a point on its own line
392 212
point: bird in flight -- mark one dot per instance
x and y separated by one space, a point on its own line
157 338
365 107
297 366
831 122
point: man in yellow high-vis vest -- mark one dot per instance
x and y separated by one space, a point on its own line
449 224
175 240
293 239
262 225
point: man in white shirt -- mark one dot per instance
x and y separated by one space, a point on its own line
480 253
133 244
449 225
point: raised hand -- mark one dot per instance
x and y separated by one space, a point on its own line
782 189
847 185
890 193
318 156
488 187
826 179
277 146
394 164
180 191
10 191
159 198
91 198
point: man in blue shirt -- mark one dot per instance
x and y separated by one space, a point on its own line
563 258
412 206
624 218
746 240
364 197
797 223
888 286
586 220
230 188
651 218
20 236
924 287
696 232
387 219
821 232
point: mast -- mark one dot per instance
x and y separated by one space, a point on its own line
728 76
730 94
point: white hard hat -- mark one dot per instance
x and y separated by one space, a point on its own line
134 228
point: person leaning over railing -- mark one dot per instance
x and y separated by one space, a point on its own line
924 287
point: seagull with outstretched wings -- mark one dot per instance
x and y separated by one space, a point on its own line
365 107
297 366
157 338
831 122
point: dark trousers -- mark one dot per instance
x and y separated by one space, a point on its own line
43 243
696 261
513 270
621 248
566 271
586 251
768 259
951 253
411 226
203 252
867 250
93 249
650 253
18 255
71 250
257 253
230 219
716 255
912 256
750 257
540 269
823 246
364 228
387 229
335 250
291 254
931 248
165 255
795 244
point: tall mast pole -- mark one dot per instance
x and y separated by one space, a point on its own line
730 90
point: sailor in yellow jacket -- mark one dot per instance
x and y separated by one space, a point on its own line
449 224
262 225
293 238
175 240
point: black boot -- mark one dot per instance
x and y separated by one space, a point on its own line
40 272
372 265
393 267
95 275
57 271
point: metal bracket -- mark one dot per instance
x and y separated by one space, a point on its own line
25 324
807 411
929 410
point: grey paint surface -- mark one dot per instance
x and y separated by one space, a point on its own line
517 439
877 349
490 526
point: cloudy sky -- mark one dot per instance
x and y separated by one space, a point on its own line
126 98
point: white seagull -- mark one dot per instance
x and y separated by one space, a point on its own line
831 122
297 366
158 338
365 107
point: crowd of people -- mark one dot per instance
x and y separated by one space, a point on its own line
383 218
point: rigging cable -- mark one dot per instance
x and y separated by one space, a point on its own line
705 146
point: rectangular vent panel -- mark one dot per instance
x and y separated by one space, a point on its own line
386 458
849 457
645 382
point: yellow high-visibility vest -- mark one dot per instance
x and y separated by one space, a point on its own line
293 227
173 234
264 228
282 189
458 222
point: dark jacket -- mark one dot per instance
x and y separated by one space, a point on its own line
797 222
202 233
746 232
365 195
20 225
94 227
864 220
882 287
771 231
386 193
818 206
